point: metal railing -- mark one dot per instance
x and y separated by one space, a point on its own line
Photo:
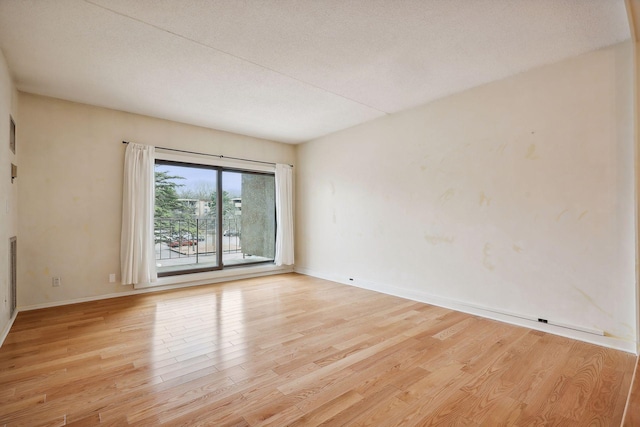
195 237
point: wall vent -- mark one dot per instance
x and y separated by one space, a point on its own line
13 274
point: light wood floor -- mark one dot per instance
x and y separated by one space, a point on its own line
294 350
632 418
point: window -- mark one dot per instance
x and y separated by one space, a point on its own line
210 217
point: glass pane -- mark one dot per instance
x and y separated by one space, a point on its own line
248 218
185 218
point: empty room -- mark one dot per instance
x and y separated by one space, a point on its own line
301 213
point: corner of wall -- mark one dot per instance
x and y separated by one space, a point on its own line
8 192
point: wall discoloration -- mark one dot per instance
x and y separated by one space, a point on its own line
447 195
591 301
561 214
484 200
436 239
486 257
531 152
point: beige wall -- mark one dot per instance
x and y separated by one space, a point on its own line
8 191
516 196
71 185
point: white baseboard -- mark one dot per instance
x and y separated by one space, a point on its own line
569 331
184 283
216 276
7 328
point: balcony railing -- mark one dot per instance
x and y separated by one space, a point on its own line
195 238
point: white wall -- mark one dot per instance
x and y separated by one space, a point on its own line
8 191
517 196
71 190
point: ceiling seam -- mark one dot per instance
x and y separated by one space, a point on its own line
234 56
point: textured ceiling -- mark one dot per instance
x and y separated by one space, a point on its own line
288 70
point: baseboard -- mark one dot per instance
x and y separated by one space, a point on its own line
236 273
568 331
7 328
154 289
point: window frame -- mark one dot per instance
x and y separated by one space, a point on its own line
219 166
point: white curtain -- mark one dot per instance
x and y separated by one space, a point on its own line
137 245
284 215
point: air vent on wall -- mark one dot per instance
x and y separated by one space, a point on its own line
13 272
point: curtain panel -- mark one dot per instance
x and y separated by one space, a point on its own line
137 243
284 215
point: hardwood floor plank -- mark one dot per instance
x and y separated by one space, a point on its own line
369 403
329 409
286 417
296 350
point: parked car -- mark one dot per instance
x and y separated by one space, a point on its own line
230 233
188 236
181 242
163 238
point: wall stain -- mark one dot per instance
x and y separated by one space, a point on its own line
590 300
628 338
436 239
486 260
628 326
501 148
447 195
531 152
46 271
582 215
560 214
517 248
484 200
423 168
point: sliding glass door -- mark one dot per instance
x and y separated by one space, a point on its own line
248 218
208 218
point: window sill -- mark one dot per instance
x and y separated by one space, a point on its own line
208 277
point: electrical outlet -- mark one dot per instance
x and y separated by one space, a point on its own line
112 278
56 281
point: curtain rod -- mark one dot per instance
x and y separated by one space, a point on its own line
213 155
